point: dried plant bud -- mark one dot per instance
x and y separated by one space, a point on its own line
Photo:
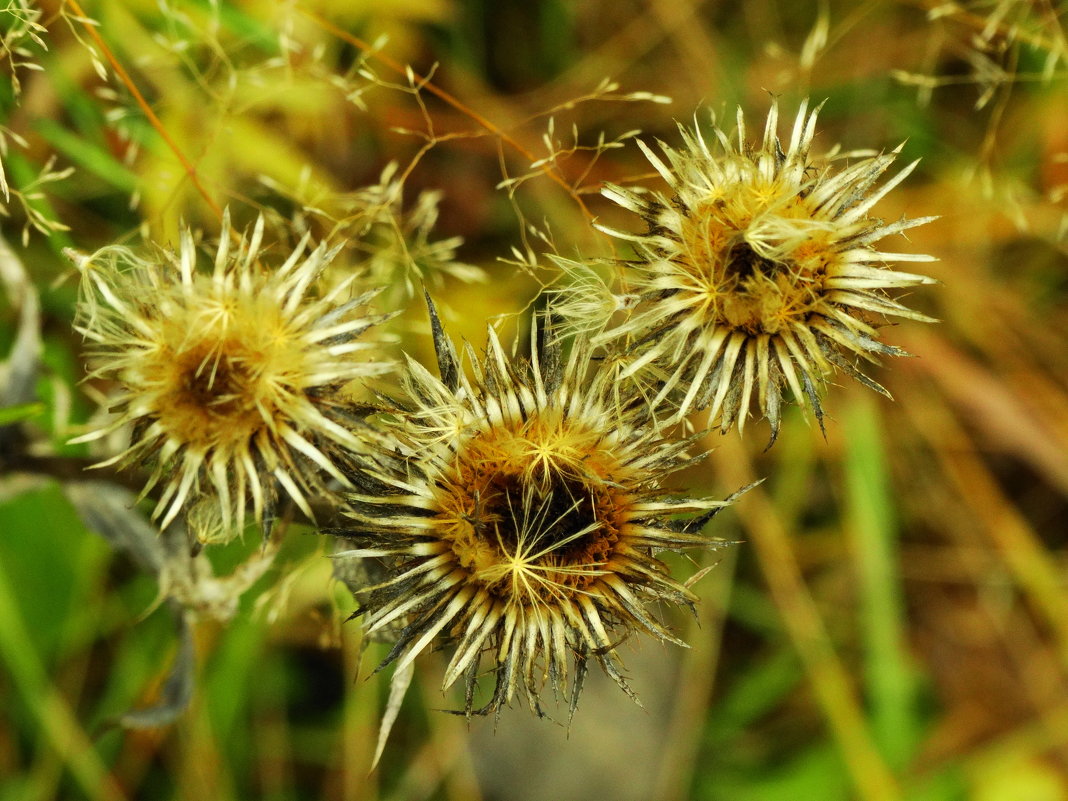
230 380
760 272
517 511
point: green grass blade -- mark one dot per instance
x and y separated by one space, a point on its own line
54 715
873 524
87 155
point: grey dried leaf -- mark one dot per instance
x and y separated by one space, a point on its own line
178 687
18 375
359 575
356 574
111 512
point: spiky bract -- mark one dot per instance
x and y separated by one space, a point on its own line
228 379
517 511
759 271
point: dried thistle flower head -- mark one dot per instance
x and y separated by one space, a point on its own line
518 512
228 378
760 272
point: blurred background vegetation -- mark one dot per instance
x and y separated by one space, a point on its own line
893 621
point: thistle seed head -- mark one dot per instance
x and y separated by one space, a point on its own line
759 272
518 509
228 380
